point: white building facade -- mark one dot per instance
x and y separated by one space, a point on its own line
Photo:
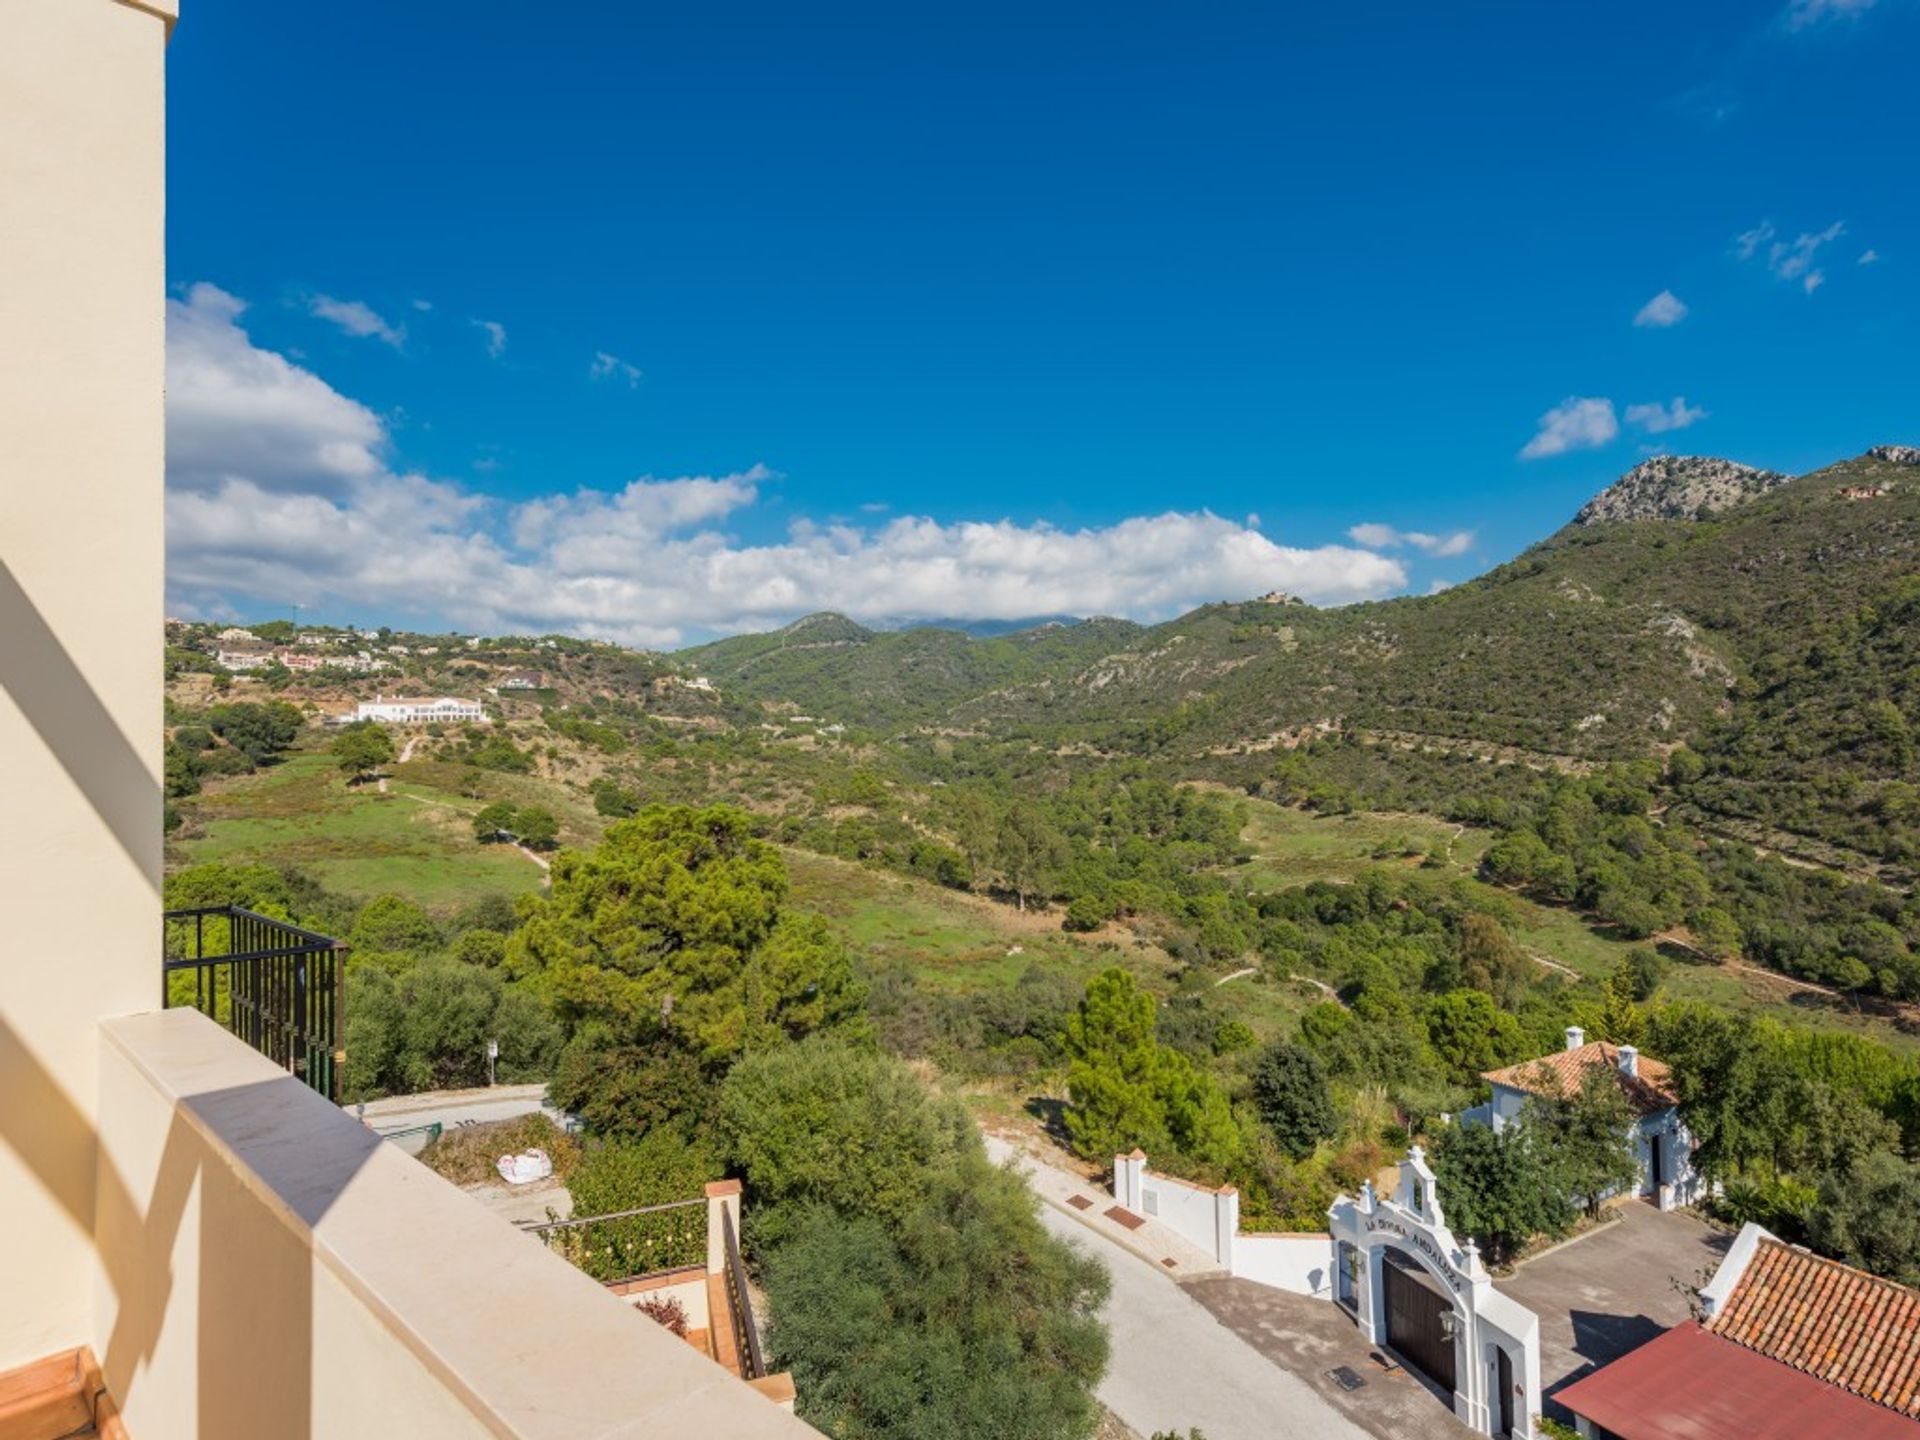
444 709
1393 1266
1662 1144
1411 1286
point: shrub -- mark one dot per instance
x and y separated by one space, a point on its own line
666 1311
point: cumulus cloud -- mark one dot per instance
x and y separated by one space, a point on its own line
496 336
1576 423
1662 310
1376 536
612 367
281 490
357 318
1657 419
234 410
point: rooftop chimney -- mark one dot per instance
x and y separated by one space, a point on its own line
1576 1037
1629 1060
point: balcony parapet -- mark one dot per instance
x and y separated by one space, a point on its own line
270 1267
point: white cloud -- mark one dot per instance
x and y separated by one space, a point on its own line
1662 310
496 337
1376 536
1868 257
423 306
280 490
1790 259
1748 242
1804 14
1576 423
1436 587
357 318
1657 419
612 367
235 410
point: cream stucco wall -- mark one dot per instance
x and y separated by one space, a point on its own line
271 1267
82 292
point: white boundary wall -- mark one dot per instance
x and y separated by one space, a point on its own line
1210 1219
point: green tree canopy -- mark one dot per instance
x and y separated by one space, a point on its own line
963 1319
260 732
673 924
362 749
1497 1186
823 1123
1129 1090
1587 1137
1290 1091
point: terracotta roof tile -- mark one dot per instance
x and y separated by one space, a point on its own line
1828 1320
1561 1073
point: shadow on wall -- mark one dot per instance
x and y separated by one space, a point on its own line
53 693
255 1282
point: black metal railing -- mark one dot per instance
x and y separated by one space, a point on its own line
746 1335
628 1244
274 985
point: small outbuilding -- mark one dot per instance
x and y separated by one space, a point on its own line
1661 1142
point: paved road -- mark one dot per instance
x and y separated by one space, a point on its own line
1175 1366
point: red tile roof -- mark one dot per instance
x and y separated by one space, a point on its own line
1830 1321
1561 1073
1690 1384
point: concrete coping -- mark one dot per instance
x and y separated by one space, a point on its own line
533 1348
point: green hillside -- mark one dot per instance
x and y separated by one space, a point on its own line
830 667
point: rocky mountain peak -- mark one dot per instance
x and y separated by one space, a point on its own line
1896 454
1677 487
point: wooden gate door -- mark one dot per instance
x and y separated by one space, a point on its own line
1414 1308
1503 1377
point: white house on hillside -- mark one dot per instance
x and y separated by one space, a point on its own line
445 709
1661 1142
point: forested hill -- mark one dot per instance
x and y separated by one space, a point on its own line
828 666
1777 634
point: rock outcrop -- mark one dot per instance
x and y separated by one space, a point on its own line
1677 487
1896 454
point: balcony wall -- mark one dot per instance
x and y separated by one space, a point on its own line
269 1267
82 303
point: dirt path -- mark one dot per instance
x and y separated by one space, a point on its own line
406 754
1786 980
1539 959
1322 986
1237 975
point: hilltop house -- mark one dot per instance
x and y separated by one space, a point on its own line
524 680
1790 1345
241 658
444 709
1661 1142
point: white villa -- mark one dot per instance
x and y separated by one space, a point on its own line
445 709
1661 1141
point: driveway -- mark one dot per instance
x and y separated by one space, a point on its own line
1311 1339
1613 1289
1174 1366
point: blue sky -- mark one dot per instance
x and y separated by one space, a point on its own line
658 322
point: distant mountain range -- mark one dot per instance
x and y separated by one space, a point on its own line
1772 622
